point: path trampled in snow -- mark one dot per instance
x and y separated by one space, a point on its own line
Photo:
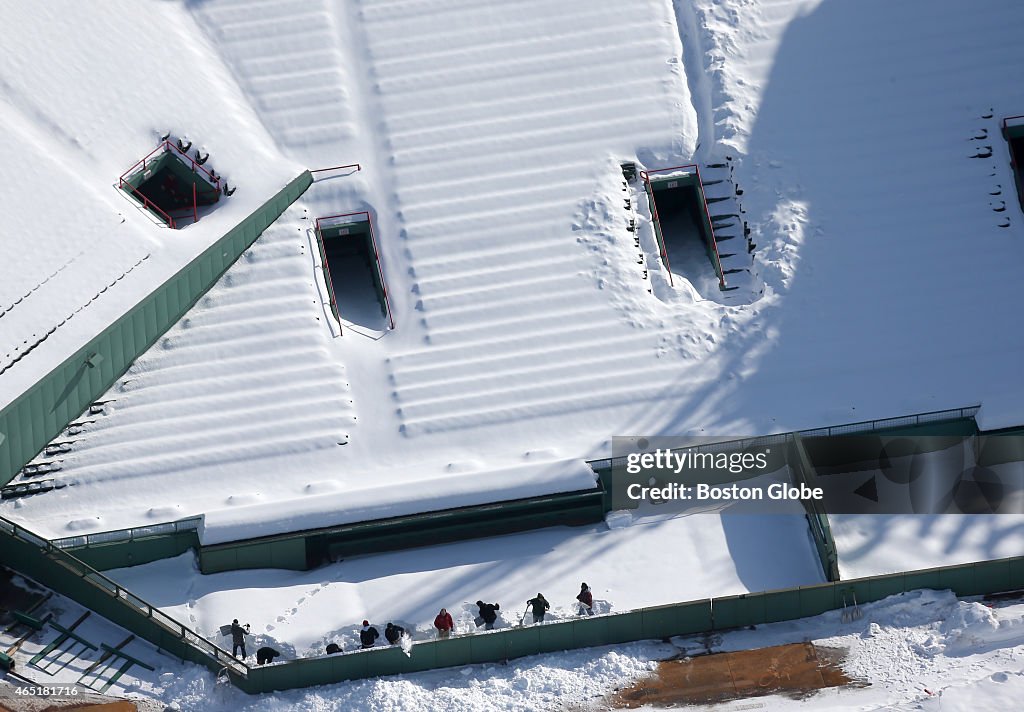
663 557
923 650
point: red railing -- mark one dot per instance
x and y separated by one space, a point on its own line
168 147
654 209
327 275
1011 118
376 257
337 168
146 202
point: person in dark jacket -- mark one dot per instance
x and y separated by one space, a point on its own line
393 632
586 599
333 648
540 606
266 655
488 611
368 635
444 623
238 638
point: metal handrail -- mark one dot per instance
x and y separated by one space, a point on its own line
327 276
932 416
376 256
336 168
128 534
149 204
124 596
707 213
166 147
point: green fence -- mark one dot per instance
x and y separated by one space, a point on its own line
690 618
802 471
303 550
37 416
307 549
131 547
39 559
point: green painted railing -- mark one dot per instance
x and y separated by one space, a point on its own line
689 618
39 559
134 546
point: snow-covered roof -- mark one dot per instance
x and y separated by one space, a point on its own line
490 136
84 95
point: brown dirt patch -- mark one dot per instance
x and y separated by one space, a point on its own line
796 670
121 706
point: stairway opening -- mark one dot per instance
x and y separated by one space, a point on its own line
172 185
682 227
1013 131
351 264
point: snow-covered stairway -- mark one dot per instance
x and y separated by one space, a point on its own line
245 376
732 236
287 60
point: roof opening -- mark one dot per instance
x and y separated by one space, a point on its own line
1013 130
172 185
682 226
351 263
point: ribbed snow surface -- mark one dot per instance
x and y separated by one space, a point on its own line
84 94
490 134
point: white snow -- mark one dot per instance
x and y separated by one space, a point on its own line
924 650
711 553
489 134
83 95
870 544
389 496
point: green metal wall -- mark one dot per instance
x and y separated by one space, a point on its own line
40 560
36 558
282 553
802 471
45 409
1001 446
119 554
692 617
152 167
303 550
685 182
307 549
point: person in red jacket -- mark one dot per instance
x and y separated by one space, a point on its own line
586 599
444 623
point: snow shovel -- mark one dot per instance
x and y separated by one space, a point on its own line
479 620
522 618
851 611
225 630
